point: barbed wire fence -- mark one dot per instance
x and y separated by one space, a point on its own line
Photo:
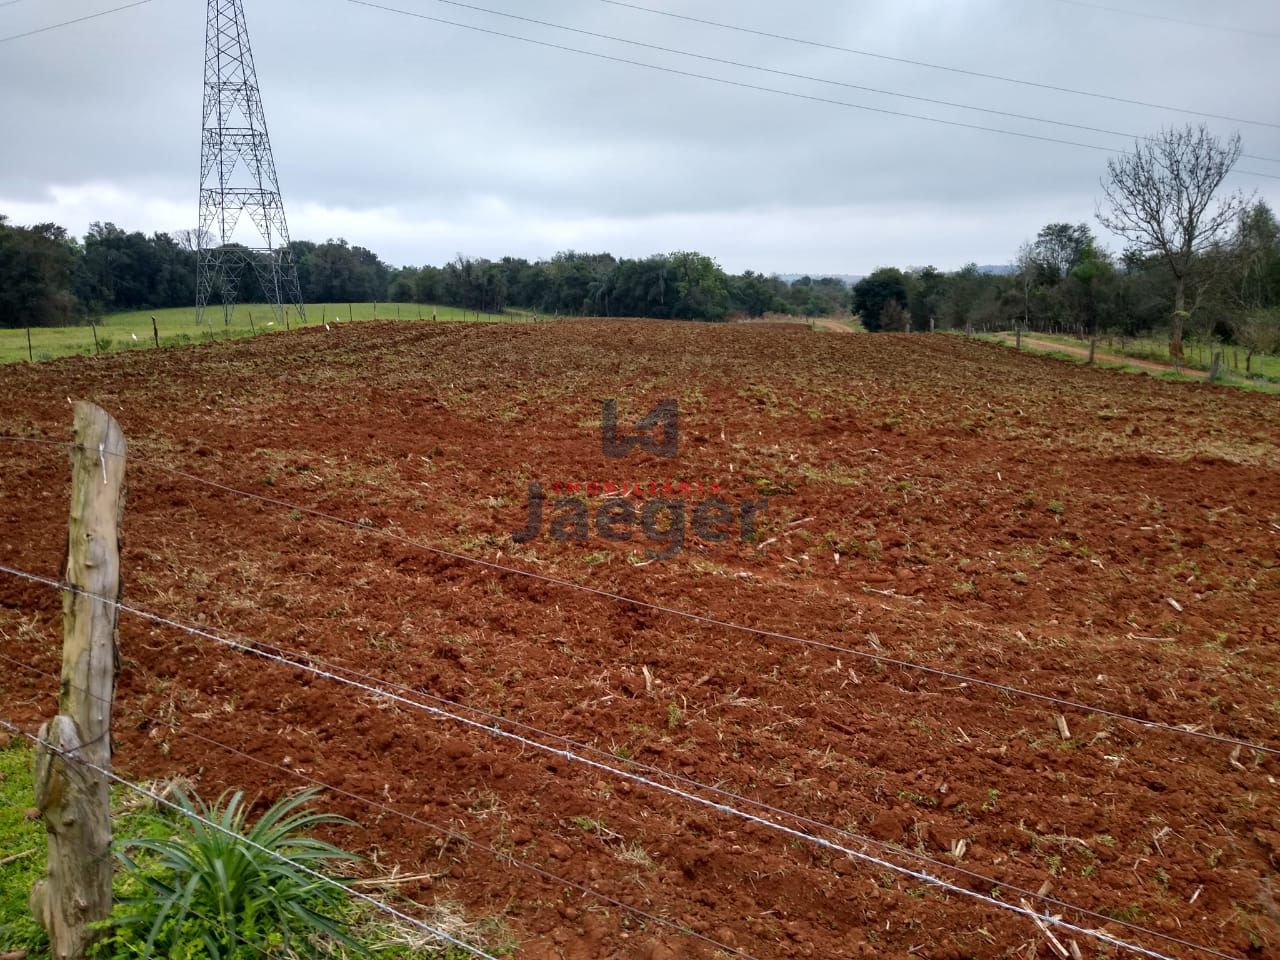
774 819
966 680
1043 920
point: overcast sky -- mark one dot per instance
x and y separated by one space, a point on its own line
421 140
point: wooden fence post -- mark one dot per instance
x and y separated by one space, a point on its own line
74 799
1093 345
155 332
94 327
31 356
1215 367
1017 334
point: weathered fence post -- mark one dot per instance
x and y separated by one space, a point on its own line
1215 367
73 798
155 332
94 327
1017 334
1093 346
31 356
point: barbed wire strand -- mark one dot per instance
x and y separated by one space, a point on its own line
198 914
952 675
991 882
444 831
374 902
570 756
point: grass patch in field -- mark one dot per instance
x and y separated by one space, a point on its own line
1197 355
118 332
1191 372
24 841
18 928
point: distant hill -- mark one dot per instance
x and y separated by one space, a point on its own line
848 279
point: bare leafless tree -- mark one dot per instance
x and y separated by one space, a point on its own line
1160 198
191 239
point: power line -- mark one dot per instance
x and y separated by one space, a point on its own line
1159 16
754 86
451 834
801 76
258 650
989 882
882 659
374 902
935 66
67 23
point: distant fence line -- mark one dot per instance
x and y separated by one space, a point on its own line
101 337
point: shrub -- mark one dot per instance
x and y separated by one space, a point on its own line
231 891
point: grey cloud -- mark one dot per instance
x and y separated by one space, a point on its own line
404 129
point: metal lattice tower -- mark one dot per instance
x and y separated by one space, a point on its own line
238 175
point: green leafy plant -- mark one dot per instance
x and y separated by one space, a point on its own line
229 890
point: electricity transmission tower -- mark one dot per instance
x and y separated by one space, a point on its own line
238 176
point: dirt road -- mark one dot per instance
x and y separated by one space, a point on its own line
1035 343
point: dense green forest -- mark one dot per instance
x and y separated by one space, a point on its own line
49 278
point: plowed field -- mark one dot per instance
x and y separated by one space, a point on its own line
1087 535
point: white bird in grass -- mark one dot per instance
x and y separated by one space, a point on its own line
135 336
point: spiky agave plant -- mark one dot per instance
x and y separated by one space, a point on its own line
225 889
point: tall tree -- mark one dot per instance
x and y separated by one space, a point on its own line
1256 251
1059 248
872 294
1160 198
926 291
36 265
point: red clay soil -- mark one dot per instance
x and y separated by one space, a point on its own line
1082 533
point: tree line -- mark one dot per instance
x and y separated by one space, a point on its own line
1196 262
49 278
1062 281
